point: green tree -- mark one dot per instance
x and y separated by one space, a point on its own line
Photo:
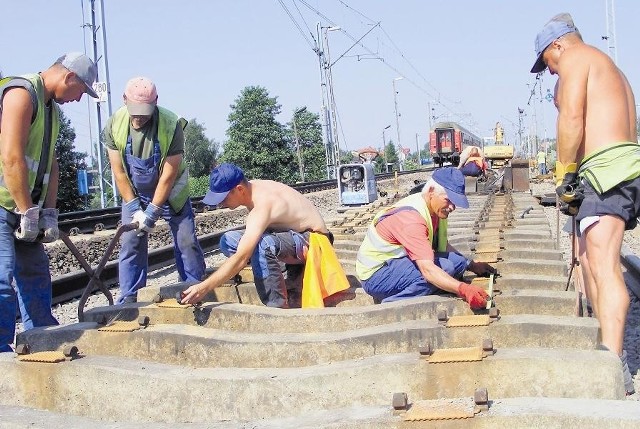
69 161
199 151
312 151
257 142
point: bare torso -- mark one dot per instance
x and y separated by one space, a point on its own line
603 94
287 208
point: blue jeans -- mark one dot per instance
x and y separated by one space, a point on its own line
272 250
27 264
134 252
542 168
400 278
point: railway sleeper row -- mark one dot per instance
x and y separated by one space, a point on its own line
526 362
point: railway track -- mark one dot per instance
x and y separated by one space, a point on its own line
525 362
88 221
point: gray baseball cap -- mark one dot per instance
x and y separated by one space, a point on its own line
558 26
83 67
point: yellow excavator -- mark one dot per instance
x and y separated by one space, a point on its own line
498 154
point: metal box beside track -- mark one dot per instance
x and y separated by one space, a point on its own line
356 184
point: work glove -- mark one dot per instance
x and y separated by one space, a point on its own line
475 296
28 229
482 269
48 225
566 177
139 218
133 205
151 216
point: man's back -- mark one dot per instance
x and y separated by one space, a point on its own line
288 208
609 115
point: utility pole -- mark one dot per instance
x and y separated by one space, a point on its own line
384 149
102 182
520 113
395 104
328 101
611 30
418 151
295 135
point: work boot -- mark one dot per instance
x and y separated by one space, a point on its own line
626 374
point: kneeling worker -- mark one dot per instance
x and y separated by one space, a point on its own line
278 230
472 162
405 252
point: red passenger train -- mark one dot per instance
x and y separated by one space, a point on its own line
446 141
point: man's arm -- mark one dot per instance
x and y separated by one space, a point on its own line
573 74
480 268
52 187
167 179
122 180
257 222
437 276
16 120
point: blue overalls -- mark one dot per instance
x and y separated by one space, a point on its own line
144 175
28 264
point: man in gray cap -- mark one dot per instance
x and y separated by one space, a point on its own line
598 169
29 125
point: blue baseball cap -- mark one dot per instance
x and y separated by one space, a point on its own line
452 180
222 180
558 26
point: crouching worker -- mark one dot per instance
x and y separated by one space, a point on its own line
472 162
278 230
405 252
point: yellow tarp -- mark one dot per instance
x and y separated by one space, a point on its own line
323 274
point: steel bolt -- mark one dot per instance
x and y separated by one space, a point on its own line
23 349
442 316
144 321
425 350
70 351
487 345
157 298
481 396
494 312
400 401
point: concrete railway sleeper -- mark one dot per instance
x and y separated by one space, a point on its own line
529 362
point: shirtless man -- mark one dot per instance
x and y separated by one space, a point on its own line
277 230
598 168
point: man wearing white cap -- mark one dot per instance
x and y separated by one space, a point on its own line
29 125
598 168
146 150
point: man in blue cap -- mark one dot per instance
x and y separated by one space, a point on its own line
277 231
598 169
405 252
29 120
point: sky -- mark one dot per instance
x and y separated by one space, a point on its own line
462 60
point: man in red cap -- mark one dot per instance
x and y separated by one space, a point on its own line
405 252
29 125
146 150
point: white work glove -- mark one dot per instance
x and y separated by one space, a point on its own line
28 229
139 217
48 224
151 216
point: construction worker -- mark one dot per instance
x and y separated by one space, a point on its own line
146 147
541 159
29 125
278 230
598 169
472 162
405 252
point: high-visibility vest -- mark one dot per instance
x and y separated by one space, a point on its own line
375 250
33 152
167 122
541 158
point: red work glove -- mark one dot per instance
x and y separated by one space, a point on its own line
474 295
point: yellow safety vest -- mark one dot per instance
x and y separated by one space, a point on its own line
375 250
167 122
33 151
